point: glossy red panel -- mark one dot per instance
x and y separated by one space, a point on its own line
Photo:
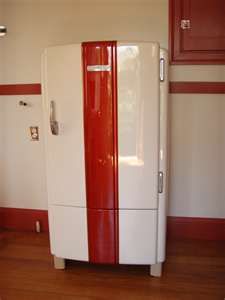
102 236
100 131
99 125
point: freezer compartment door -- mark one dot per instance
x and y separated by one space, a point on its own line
68 232
137 236
138 124
63 112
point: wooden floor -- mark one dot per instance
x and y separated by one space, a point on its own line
194 270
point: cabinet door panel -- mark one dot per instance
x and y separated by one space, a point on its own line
207 32
203 42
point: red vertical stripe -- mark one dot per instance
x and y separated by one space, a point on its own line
98 108
100 126
102 237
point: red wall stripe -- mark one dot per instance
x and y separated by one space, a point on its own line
176 87
20 89
23 219
100 128
196 87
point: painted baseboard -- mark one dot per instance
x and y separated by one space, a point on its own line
182 228
23 219
196 228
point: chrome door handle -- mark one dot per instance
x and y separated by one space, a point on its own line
162 69
53 123
160 182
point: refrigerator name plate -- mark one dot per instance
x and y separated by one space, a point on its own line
99 68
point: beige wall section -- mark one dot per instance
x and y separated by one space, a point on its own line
197 156
35 24
1 15
1 124
197 73
197 142
23 182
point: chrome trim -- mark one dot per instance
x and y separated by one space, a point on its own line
160 183
53 123
162 69
99 68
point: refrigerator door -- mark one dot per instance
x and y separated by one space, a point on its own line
138 124
63 111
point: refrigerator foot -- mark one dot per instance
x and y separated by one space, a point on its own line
156 270
59 263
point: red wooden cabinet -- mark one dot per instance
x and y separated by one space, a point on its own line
197 31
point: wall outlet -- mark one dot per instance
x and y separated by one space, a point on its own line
34 133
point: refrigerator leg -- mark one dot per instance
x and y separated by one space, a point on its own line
156 270
59 263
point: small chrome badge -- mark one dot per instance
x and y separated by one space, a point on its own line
98 68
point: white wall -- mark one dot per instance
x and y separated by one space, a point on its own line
23 182
197 140
35 24
197 156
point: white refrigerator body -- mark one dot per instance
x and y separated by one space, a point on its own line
142 89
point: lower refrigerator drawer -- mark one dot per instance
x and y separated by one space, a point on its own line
137 236
68 232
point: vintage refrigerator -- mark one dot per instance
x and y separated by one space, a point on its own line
105 111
